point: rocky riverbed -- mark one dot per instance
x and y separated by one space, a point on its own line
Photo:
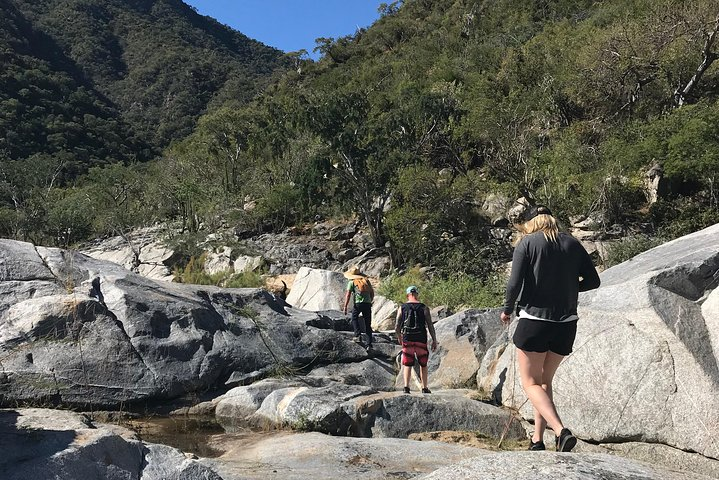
640 390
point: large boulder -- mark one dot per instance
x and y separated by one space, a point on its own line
374 263
376 373
315 289
644 366
234 407
312 408
463 340
496 205
79 331
398 415
384 313
246 263
43 444
217 261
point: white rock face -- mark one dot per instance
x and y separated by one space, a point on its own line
245 263
384 312
710 312
315 289
644 365
216 262
140 252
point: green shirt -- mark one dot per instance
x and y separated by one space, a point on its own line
358 297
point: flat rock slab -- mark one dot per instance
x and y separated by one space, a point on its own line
377 373
542 465
318 456
398 415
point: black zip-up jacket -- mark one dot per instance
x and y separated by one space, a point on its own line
548 275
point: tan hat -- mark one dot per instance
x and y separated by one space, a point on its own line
354 272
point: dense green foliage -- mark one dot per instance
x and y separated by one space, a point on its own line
441 104
455 292
194 273
87 83
157 61
413 123
46 108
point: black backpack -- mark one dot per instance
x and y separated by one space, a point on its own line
413 321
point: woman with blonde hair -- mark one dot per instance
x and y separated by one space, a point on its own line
549 268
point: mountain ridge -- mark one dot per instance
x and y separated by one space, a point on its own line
159 64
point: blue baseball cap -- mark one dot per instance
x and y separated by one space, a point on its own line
412 289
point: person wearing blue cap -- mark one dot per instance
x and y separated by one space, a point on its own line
549 269
413 322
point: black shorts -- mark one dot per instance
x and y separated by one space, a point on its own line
543 336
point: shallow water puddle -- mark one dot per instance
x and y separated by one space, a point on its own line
189 434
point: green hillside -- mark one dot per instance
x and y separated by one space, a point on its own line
438 109
438 106
159 62
47 107
87 83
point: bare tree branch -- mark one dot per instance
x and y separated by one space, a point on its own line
708 57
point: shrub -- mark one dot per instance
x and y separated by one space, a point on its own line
466 291
393 286
186 246
630 247
277 209
456 292
245 280
681 216
194 273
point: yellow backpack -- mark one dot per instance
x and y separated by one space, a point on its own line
363 287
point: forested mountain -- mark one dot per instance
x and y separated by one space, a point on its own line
48 108
439 106
87 83
437 109
157 61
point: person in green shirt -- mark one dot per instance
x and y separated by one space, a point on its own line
361 289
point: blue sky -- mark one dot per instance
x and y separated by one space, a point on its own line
291 25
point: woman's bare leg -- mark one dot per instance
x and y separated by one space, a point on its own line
537 371
551 363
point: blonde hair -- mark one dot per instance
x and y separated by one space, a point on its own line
544 223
